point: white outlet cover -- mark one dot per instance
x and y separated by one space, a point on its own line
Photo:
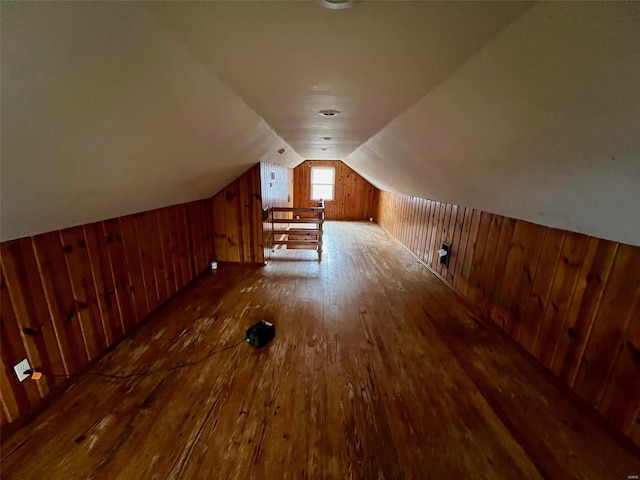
20 368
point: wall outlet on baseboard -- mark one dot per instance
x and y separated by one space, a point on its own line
444 253
22 367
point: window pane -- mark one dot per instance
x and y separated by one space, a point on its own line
322 174
322 191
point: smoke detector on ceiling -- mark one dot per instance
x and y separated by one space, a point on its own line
329 113
338 4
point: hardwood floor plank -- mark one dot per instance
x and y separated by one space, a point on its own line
378 370
564 440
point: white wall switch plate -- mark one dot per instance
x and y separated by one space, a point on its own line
20 368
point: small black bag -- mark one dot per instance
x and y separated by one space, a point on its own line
261 333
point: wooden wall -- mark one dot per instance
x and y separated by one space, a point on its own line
354 196
237 217
276 192
572 301
69 295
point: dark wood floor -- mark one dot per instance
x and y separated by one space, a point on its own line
377 371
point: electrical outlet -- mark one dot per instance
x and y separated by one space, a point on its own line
444 253
22 367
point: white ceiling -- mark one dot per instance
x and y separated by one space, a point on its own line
105 113
289 60
527 110
542 124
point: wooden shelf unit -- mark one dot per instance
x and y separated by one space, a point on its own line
306 234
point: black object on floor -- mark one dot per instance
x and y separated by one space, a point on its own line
261 333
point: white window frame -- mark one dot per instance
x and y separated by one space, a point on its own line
333 184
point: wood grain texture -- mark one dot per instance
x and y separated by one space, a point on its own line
167 246
237 215
378 370
74 246
353 195
568 299
276 185
16 398
28 307
144 234
112 233
69 295
104 281
134 268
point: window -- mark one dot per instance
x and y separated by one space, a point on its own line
322 182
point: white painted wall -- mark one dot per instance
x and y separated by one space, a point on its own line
542 124
110 108
105 114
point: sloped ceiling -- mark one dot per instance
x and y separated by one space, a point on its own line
542 124
105 113
289 60
527 110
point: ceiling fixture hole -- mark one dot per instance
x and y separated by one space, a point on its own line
329 113
338 4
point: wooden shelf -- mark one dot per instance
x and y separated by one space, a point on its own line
298 231
297 220
297 242
298 209
300 237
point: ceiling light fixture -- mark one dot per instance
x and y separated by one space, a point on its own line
329 113
338 4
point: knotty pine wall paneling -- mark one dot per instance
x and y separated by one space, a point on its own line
102 281
353 196
167 250
275 192
27 313
200 234
146 238
112 232
95 332
237 220
572 301
60 299
176 247
134 267
69 295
